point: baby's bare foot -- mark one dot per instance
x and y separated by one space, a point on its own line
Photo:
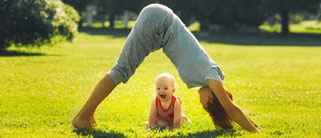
82 123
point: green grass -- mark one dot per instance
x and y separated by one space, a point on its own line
279 87
312 26
118 24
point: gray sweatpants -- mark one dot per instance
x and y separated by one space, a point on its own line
158 27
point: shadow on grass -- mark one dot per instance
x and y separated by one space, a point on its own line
261 39
117 33
161 128
241 39
206 134
215 133
98 134
18 53
203 134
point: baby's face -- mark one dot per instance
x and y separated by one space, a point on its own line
164 88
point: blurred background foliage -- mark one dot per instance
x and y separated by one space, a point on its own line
35 22
213 14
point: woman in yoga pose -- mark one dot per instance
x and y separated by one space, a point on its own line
157 27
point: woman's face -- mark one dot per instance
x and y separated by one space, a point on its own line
206 96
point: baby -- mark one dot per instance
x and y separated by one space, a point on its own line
166 109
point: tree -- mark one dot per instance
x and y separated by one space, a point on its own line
25 22
187 10
79 5
229 14
111 8
286 7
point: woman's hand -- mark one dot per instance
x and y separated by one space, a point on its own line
233 111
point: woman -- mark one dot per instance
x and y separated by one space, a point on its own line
158 27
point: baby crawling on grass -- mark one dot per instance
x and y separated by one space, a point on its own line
166 108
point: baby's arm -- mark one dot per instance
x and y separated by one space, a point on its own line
152 113
177 114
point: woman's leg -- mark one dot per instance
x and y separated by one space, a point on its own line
146 36
85 118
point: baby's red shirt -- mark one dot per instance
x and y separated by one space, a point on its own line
166 114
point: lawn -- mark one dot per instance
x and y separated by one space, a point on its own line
311 26
276 80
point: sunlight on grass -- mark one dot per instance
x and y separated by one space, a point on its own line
304 27
194 27
278 87
118 24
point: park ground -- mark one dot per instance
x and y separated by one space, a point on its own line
276 80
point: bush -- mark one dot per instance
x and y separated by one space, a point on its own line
36 22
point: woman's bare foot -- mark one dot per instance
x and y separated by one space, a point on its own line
83 123
92 120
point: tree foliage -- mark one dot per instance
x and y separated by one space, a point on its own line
229 14
219 13
186 10
286 7
35 22
110 8
79 5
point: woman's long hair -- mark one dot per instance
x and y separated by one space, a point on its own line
218 114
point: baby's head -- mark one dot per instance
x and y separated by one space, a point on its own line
165 86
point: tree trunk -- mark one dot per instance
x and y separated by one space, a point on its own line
111 21
285 22
80 23
204 25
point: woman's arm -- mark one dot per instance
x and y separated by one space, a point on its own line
233 111
252 122
152 113
177 114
